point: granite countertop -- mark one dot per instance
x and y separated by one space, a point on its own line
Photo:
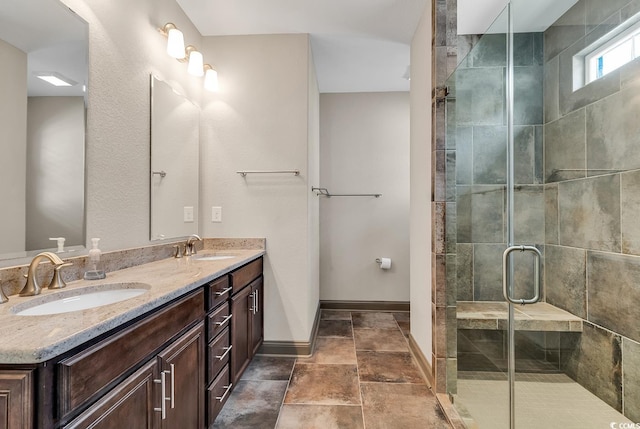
34 339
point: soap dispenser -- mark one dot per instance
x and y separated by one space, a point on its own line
94 271
60 242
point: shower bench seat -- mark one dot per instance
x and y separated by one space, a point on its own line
492 315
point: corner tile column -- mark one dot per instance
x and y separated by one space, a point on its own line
444 61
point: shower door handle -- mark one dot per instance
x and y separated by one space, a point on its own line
536 276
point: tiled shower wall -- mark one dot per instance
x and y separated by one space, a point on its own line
443 296
592 196
477 152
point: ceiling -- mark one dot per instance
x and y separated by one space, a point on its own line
358 45
475 16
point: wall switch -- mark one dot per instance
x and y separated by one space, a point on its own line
216 214
188 214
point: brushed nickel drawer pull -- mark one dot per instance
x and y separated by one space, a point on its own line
226 352
223 291
173 385
163 393
225 320
221 398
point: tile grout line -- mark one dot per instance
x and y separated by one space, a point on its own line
355 352
285 392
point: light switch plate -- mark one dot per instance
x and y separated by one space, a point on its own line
188 214
216 214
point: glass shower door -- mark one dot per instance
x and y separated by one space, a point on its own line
477 225
541 242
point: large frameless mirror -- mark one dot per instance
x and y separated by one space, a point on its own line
175 143
43 82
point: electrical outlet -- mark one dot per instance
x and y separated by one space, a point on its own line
188 214
216 214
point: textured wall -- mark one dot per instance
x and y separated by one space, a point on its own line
365 149
124 49
13 151
260 121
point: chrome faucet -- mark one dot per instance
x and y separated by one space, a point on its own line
32 287
190 247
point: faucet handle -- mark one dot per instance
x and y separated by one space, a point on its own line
178 253
56 281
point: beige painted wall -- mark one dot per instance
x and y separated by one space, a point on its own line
313 204
55 149
420 224
364 149
262 120
13 150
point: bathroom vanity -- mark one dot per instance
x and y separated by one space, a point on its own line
168 358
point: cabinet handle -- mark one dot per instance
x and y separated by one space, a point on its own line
252 307
226 352
225 320
257 306
221 398
173 385
223 291
163 393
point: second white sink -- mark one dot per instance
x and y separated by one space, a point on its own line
80 299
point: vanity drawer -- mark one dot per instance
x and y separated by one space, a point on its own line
217 394
244 275
219 351
83 375
218 321
218 292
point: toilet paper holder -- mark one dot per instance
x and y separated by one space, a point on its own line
384 263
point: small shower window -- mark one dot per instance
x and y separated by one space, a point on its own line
612 52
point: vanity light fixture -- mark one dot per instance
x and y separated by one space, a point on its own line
190 54
210 78
55 79
196 61
175 40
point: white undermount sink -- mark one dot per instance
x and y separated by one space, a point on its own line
80 299
212 257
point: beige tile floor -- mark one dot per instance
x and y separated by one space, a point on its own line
546 401
360 376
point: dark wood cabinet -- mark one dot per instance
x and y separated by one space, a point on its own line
246 325
131 404
257 288
16 397
183 365
241 310
167 392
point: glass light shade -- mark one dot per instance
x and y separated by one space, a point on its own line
211 80
175 44
196 64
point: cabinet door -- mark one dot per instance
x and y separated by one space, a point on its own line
129 405
183 365
257 316
16 399
241 308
